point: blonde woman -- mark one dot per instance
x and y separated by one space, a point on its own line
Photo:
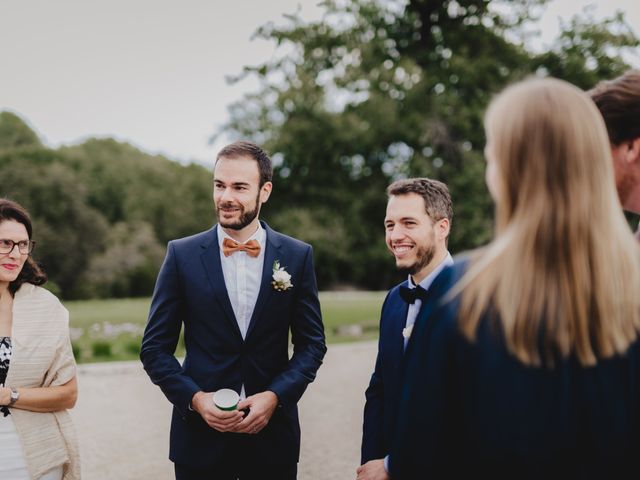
37 369
527 364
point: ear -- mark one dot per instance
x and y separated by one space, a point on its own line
265 192
443 226
633 154
627 152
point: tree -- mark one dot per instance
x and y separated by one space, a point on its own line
15 133
377 91
67 231
129 264
101 210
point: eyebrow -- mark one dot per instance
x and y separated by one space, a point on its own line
234 183
403 219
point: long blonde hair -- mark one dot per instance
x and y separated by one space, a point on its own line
563 272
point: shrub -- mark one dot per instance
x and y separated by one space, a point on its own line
77 351
100 348
132 346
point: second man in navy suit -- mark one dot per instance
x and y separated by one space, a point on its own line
238 289
417 224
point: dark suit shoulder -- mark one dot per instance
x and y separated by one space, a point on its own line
393 295
288 242
393 303
395 291
442 309
450 275
201 238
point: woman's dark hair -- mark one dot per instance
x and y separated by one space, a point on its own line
31 272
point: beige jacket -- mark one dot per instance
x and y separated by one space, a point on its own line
42 357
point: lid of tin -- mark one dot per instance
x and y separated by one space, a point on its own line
226 399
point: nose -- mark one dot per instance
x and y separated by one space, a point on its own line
396 233
15 252
225 195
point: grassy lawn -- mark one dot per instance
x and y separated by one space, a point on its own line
103 330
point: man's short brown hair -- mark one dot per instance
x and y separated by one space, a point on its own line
251 150
619 103
437 201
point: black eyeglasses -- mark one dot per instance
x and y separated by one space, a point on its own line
25 247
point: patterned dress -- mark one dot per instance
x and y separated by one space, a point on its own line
5 357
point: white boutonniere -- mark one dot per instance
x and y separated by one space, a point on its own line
406 331
281 278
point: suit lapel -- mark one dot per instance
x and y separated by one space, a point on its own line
213 266
271 254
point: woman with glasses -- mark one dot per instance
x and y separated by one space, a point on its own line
526 362
37 368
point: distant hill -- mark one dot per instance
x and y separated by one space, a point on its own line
102 210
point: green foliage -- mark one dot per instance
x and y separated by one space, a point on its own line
77 351
374 91
15 133
586 51
380 90
103 211
129 264
66 229
101 348
133 346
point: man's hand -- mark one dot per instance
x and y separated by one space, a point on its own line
221 420
372 470
261 406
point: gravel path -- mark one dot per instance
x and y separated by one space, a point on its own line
122 419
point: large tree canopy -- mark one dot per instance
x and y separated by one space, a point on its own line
374 91
380 90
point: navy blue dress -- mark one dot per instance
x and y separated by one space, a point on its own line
473 410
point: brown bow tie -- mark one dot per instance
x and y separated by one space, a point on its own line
252 247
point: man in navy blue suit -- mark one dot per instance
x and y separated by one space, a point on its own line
238 289
417 225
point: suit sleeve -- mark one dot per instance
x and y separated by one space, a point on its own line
307 336
161 337
373 426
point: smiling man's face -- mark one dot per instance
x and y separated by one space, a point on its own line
410 233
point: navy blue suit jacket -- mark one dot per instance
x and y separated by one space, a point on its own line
470 410
383 391
191 292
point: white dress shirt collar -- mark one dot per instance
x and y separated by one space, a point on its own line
428 280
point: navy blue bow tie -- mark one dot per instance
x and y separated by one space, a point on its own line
410 295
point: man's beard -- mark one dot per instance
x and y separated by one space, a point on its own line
625 186
424 255
246 217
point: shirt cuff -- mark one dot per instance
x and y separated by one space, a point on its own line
386 464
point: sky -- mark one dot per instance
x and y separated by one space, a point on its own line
153 72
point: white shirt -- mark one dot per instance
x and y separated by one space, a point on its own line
243 277
414 308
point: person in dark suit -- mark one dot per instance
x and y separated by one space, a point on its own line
417 225
619 103
238 289
525 362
